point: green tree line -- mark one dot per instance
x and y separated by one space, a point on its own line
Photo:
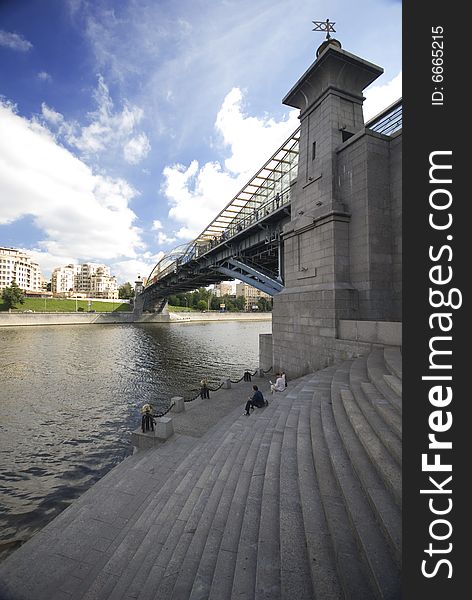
203 299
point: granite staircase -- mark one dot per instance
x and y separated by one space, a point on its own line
301 500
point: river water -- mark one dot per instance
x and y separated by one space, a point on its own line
70 397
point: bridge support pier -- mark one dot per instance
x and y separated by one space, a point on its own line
344 238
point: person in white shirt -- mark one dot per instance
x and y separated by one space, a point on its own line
279 385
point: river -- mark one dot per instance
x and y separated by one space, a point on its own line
70 397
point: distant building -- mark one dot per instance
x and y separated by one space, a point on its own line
251 294
222 289
17 265
89 280
63 280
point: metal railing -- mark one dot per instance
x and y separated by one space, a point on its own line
388 121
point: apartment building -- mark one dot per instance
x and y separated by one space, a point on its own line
17 265
222 289
89 279
63 280
251 294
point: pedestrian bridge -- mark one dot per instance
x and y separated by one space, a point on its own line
244 241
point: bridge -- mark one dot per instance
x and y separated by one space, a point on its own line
244 241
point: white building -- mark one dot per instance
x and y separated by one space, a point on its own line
63 279
103 284
17 265
89 280
223 289
251 294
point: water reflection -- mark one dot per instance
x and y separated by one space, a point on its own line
69 398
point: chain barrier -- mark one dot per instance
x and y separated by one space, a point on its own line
215 389
192 399
172 404
166 411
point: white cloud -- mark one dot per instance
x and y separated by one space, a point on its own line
163 238
44 76
129 270
14 41
51 116
107 131
136 149
252 140
197 193
379 97
83 215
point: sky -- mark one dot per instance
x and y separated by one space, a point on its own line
127 125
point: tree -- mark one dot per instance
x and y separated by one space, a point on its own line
265 304
13 295
126 291
240 303
174 301
202 305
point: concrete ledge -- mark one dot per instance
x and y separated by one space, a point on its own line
179 404
374 332
78 318
145 441
163 430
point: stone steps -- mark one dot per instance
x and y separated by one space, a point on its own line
243 518
391 416
187 556
321 556
268 580
386 434
131 563
376 369
185 526
295 566
393 360
373 515
243 582
352 571
229 509
362 433
394 384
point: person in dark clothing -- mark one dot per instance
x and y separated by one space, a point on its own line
256 400
204 391
247 376
147 420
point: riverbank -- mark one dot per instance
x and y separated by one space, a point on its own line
79 318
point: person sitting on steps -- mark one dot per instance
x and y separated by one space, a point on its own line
279 385
257 399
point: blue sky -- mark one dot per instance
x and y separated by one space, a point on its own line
125 126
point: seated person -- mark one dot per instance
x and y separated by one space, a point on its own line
279 385
256 400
